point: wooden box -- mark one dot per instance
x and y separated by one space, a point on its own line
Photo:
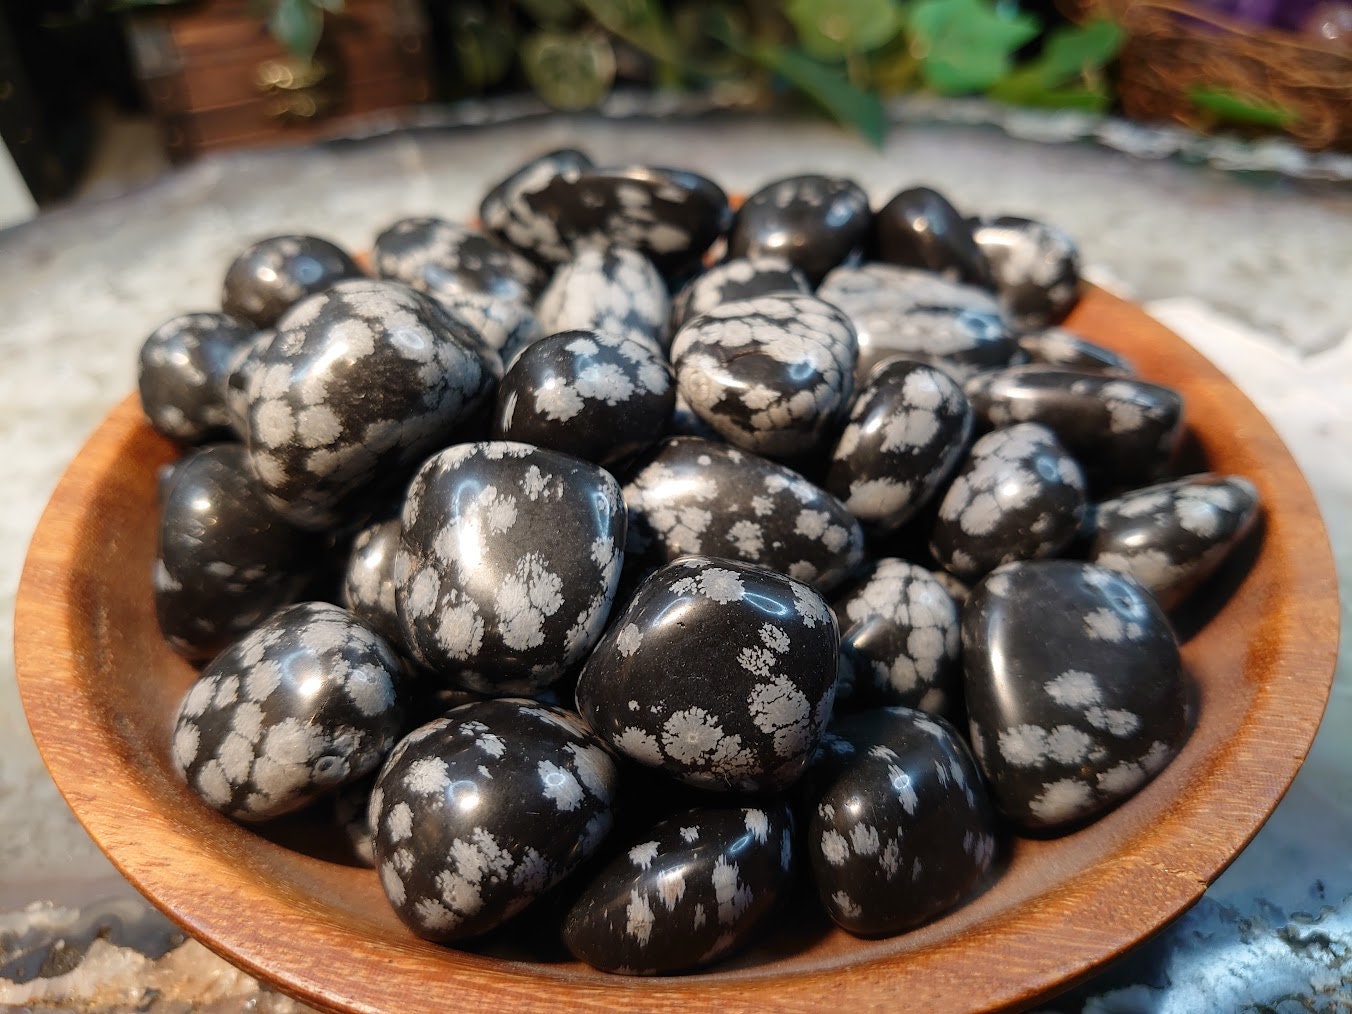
215 78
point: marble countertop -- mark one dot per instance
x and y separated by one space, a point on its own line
1253 271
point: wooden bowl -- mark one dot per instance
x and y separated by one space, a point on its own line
100 690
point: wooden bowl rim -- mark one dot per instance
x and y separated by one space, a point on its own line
1075 929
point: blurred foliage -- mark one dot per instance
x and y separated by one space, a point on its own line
845 56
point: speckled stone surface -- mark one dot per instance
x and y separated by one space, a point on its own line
1253 274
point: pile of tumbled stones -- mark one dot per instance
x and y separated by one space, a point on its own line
843 560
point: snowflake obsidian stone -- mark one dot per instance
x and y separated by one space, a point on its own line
184 367
1036 268
904 313
687 892
1122 430
361 383
435 257
225 558
919 228
814 222
695 496
908 429
741 278
276 273
519 210
1074 688
900 642
509 558
718 673
899 825
586 393
368 579
772 374
1020 496
479 812
305 704
615 290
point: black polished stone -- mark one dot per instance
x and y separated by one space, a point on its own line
741 278
225 560
919 228
517 209
368 580
1074 689
1036 268
903 313
508 563
235 387
671 216
908 430
718 673
586 393
1055 346
1020 496
480 811
436 256
308 702
615 290
773 375
899 641
1173 536
687 892
1123 431
183 369
276 273
814 222
360 385
900 828
695 496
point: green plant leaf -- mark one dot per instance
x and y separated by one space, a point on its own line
1231 107
297 25
827 87
1029 91
834 29
1073 50
966 46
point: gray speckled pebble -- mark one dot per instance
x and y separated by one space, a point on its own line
740 278
900 312
183 369
1036 268
433 256
276 273
719 674
305 704
908 430
368 580
900 828
512 210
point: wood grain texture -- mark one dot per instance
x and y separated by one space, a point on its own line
100 690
